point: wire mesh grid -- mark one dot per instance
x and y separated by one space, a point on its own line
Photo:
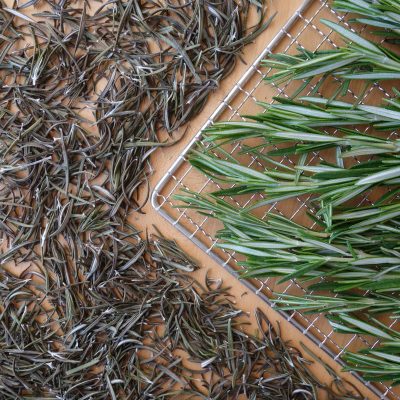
304 30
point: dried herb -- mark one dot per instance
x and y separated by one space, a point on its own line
149 331
87 93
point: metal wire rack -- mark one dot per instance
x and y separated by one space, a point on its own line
305 23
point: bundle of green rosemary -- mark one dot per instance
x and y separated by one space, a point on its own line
352 247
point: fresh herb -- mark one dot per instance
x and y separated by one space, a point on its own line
277 246
329 184
360 59
350 252
380 14
380 363
375 303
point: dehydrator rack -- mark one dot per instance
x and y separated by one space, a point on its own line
305 23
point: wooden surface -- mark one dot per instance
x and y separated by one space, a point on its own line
163 158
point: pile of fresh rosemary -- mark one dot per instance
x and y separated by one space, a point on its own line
349 251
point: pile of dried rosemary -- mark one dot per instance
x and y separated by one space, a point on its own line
147 332
85 92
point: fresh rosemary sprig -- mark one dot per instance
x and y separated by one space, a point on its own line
296 129
279 247
318 112
330 185
374 303
311 115
381 14
380 363
360 59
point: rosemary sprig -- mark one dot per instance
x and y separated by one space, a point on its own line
381 363
331 185
318 112
295 128
279 247
379 218
381 14
374 303
360 59
310 115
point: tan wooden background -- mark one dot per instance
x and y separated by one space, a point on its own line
164 157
